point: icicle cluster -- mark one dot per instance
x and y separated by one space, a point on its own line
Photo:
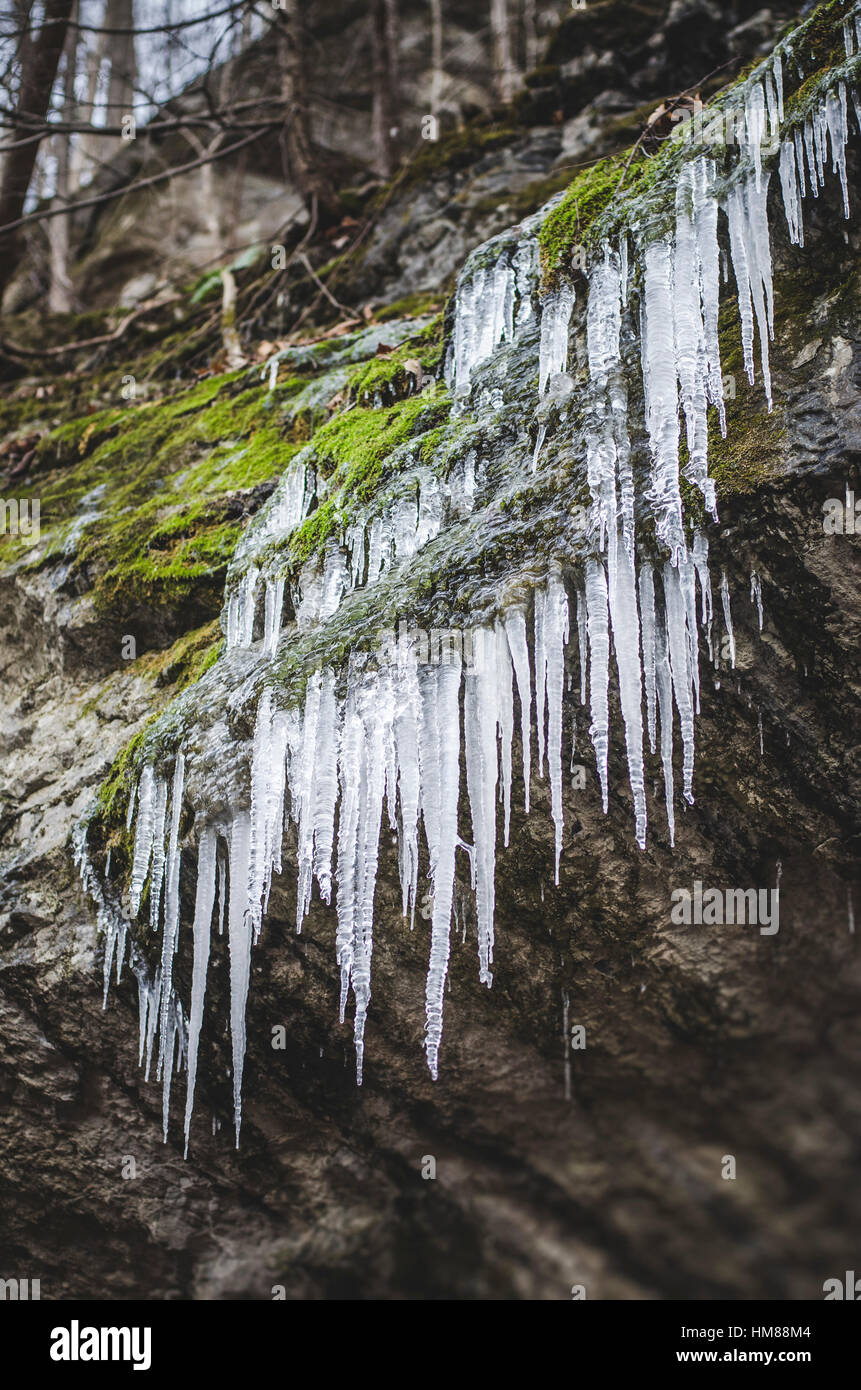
387 735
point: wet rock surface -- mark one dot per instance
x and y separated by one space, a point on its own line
599 1166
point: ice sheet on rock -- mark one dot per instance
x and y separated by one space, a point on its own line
321 587
484 315
241 610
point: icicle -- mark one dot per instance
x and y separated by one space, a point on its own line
303 795
756 595
724 596
664 687
406 736
582 643
144 833
540 674
267 806
551 634
363 777
439 755
239 928
647 623
326 784
204 900
481 714
599 658
504 678
484 314
680 667
700 556
170 932
835 115
157 873
553 348
798 144
659 382
626 641
515 629
222 892
777 74
272 617
705 210
751 258
539 441
789 188
690 340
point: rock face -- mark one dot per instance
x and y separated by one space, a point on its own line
530 1166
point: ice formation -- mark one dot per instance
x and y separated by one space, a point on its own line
385 732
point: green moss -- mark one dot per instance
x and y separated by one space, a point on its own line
168 484
411 306
635 185
311 537
107 827
386 376
456 150
181 664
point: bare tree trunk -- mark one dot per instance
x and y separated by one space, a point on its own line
233 353
437 74
384 43
39 69
310 178
82 149
503 67
60 288
121 49
530 30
